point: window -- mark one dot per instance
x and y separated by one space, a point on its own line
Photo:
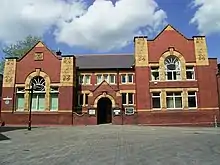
86 99
20 99
112 79
81 77
192 103
83 99
105 77
127 98
154 73
190 73
127 78
99 78
130 78
156 100
123 78
172 67
38 97
130 98
85 79
124 99
109 78
174 100
54 92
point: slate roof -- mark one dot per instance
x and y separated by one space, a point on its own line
104 61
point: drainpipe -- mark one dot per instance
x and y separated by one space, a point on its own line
216 121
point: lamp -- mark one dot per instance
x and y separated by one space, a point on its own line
30 103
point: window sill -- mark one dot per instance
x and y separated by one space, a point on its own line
171 80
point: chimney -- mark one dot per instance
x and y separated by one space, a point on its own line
58 53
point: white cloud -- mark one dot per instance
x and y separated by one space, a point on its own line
207 16
101 26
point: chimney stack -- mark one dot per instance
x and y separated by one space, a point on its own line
59 53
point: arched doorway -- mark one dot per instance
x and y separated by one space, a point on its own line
104 111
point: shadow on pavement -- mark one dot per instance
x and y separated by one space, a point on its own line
7 129
3 137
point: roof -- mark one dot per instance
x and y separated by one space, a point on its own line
104 61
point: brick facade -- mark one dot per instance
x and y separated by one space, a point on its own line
150 87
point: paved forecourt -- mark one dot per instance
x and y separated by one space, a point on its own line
110 145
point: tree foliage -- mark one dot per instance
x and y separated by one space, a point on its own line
18 49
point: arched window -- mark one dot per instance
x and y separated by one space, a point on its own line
38 97
172 68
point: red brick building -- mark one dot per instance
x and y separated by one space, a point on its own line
166 81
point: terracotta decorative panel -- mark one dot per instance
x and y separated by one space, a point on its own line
38 56
67 77
9 73
201 51
141 52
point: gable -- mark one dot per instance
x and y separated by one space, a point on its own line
37 51
104 86
38 57
170 30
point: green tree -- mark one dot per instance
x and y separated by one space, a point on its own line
18 49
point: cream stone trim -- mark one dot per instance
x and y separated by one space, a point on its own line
67 74
185 98
127 83
126 73
9 73
201 50
215 108
85 92
157 64
55 84
171 51
19 85
118 93
174 89
141 51
47 88
101 73
128 91
163 99
154 64
190 64
101 96
184 94
39 45
84 73
169 28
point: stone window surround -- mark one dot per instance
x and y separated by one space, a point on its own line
184 94
53 85
126 73
47 88
128 91
84 98
102 75
162 69
85 74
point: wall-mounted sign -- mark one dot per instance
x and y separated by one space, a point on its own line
129 110
7 100
117 112
92 112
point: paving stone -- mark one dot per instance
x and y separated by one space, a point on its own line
111 145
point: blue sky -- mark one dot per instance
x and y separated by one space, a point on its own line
69 37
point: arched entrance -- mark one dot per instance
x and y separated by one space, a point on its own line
104 110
